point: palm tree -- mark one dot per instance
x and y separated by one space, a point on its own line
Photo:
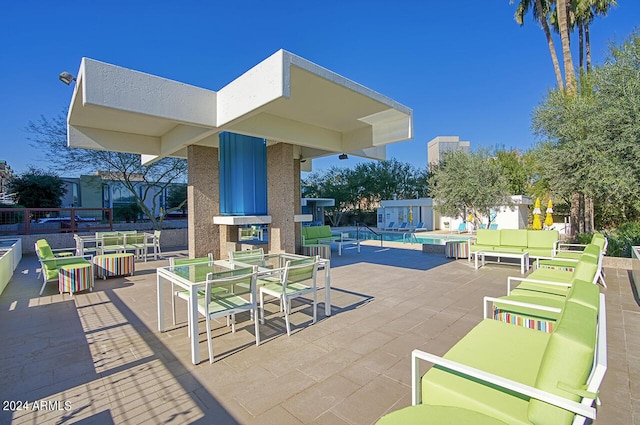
585 11
540 14
563 26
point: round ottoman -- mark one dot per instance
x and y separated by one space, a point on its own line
118 264
456 249
75 277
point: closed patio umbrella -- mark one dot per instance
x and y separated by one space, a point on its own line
548 220
537 224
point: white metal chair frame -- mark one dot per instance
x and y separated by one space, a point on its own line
582 410
294 272
226 303
183 294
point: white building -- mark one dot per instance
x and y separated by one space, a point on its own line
414 211
411 211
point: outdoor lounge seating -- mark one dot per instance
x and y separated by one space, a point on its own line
257 253
225 295
312 235
538 243
139 243
537 310
50 265
462 227
184 294
569 252
128 240
297 279
557 282
500 373
420 227
402 226
547 290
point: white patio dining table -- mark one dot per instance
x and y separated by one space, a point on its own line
192 277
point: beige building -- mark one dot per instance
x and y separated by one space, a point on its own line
440 145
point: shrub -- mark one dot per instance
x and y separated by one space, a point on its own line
620 240
127 212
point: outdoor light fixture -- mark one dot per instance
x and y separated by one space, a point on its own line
66 78
343 156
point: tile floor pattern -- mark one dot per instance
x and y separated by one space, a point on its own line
97 358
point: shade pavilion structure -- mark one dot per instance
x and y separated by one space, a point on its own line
300 109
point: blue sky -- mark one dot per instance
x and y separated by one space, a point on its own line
464 67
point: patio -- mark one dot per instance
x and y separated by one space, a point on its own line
98 357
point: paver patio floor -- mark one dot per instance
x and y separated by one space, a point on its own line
99 358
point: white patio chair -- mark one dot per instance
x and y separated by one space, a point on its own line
290 285
183 293
226 295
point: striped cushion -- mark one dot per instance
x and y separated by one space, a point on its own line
524 321
114 264
75 277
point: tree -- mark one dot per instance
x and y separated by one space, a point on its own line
584 11
37 189
562 8
513 168
177 198
362 188
335 183
469 183
541 12
50 136
591 143
392 179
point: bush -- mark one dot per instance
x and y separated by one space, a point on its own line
620 240
127 212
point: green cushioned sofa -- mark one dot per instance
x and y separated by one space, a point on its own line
501 373
311 235
538 243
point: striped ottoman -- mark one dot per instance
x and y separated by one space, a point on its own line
118 264
75 277
323 250
456 249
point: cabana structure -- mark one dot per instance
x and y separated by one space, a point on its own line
245 144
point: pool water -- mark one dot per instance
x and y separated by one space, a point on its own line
406 238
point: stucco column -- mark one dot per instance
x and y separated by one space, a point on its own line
283 192
228 239
203 197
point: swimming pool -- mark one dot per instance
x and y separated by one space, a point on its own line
405 237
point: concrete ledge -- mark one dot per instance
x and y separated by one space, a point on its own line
433 249
617 263
240 220
169 238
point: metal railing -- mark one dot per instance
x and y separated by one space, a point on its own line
24 221
412 237
360 225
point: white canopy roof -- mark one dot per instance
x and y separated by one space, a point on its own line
285 98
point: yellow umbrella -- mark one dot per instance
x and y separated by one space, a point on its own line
548 220
537 225
410 214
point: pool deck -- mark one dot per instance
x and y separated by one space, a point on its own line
100 352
